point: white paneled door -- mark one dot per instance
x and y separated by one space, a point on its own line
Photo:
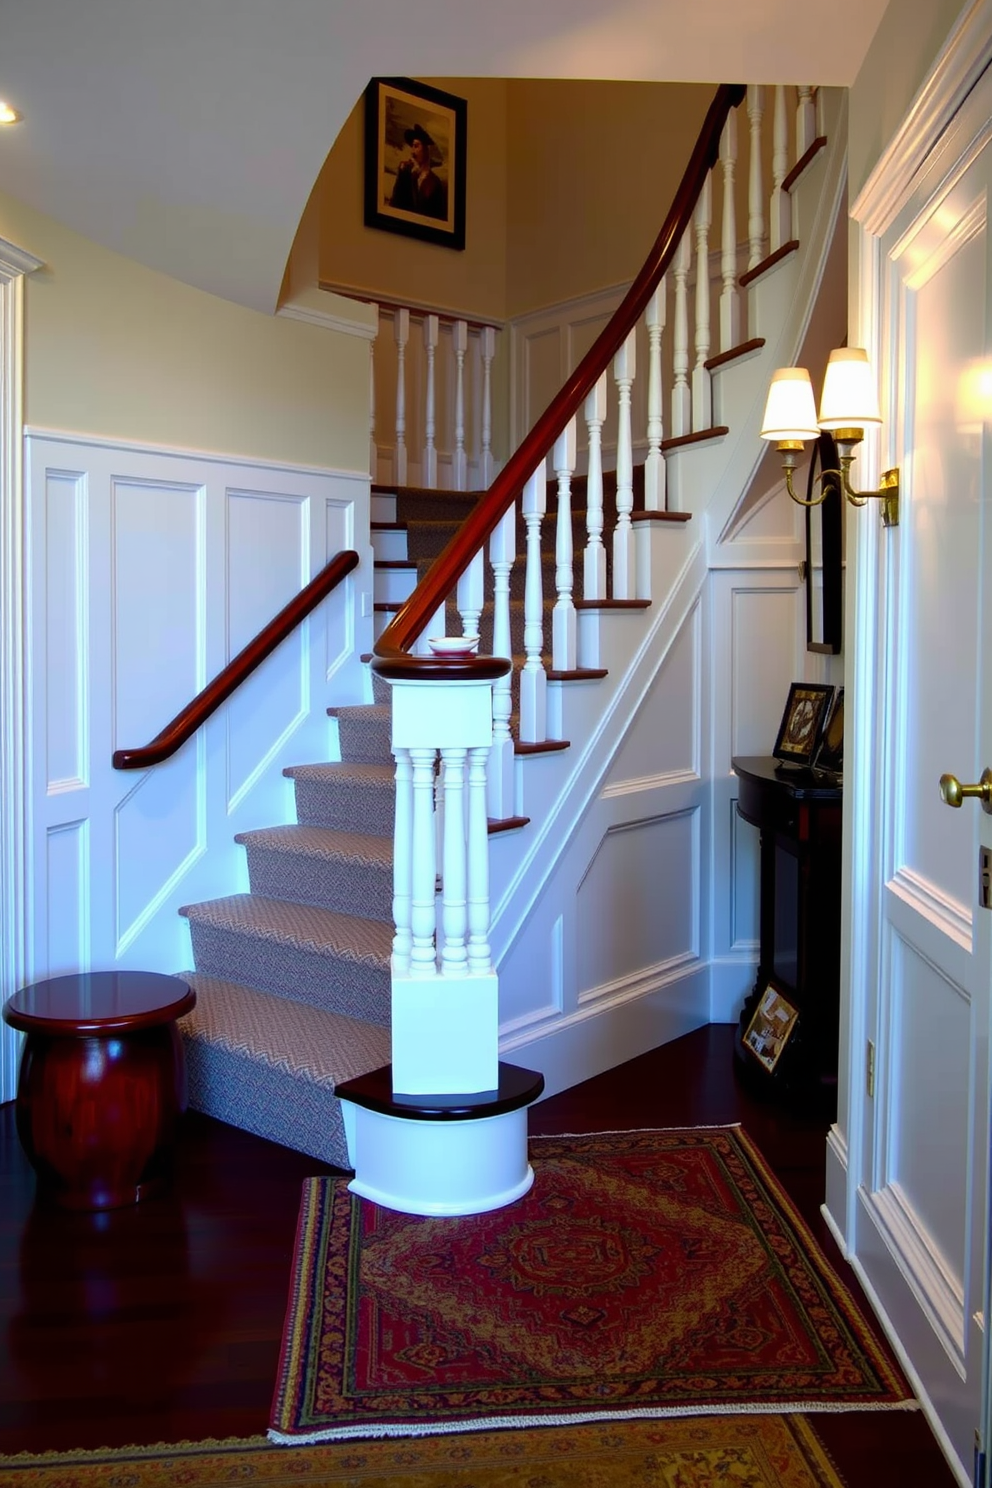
922 1224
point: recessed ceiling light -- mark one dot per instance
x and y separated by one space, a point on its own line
9 115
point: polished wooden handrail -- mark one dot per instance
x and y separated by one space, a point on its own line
186 723
409 621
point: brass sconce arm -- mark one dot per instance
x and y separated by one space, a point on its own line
888 493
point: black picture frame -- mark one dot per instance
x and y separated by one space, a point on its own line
824 552
802 722
830 751
407 124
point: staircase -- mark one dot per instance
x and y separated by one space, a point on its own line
293 978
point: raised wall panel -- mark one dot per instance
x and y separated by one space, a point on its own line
157 605
268 561
337 613
65 629
66 878
543 369
637 905
159 832
745 883
665 740
763 663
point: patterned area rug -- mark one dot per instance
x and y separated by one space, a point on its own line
645 1274
698 1452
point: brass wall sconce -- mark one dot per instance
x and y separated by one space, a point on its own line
848 403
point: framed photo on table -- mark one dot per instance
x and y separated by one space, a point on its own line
802 722
415 142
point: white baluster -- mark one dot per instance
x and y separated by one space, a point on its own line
730 302
403 861
431 330
702 399
479 953
471 594
755 187
681 397
401 334
624 371
781 204
487 349
563 631
454 880
594 564
805 121
502 552
373 447
423 913
436 626
459 342
654 464
533 678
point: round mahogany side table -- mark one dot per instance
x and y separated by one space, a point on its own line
102 1083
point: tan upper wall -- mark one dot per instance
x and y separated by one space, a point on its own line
908 40
592 168
116 350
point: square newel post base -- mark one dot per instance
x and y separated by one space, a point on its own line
442 1155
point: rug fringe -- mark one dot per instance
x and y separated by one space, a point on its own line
580 1418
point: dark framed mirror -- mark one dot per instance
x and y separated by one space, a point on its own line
824 548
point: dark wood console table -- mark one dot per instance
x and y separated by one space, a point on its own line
798 815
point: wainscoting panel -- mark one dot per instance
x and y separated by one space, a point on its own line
151 568
667 740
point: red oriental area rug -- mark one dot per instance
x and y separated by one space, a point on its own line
651 1273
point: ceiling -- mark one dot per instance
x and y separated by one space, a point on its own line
188 134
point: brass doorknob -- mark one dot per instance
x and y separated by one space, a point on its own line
953 793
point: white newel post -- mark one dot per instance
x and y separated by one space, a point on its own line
654 464
487 350
681 397
401 334
730 303
594 565
702 401
755 179
459 342
431 331
781 203
563 635
624 370
533 678
502 552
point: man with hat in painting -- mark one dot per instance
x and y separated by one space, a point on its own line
418 188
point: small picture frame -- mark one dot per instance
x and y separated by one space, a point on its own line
802 722
770 1028
830 753
415 140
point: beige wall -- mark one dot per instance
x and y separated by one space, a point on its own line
471 282
909 39
117 350
592 168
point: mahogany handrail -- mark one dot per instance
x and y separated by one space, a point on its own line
408 623
186 723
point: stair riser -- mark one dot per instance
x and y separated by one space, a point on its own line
346 808
363 742
389 547
393 585
346 886
359 989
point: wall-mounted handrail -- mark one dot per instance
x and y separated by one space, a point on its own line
409 622
186 723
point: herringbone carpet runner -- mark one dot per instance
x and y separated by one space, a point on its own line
648 1273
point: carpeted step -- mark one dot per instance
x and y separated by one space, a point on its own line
336 962
349 872
364 732
348 797
270 1066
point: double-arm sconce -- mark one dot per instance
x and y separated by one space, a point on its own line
849 402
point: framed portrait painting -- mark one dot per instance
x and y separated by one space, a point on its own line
415 140
802 722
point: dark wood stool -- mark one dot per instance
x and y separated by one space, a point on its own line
102 1083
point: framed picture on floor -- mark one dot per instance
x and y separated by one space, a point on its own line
770 1028
415 141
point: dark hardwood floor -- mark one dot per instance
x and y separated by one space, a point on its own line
162 1322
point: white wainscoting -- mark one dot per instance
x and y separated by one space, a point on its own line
149 570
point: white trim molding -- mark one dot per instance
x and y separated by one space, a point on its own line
15 263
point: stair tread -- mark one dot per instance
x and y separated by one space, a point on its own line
286 922
355 771
323 843
361 712
301 1040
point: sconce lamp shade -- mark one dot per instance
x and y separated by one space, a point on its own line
790 412
849 398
